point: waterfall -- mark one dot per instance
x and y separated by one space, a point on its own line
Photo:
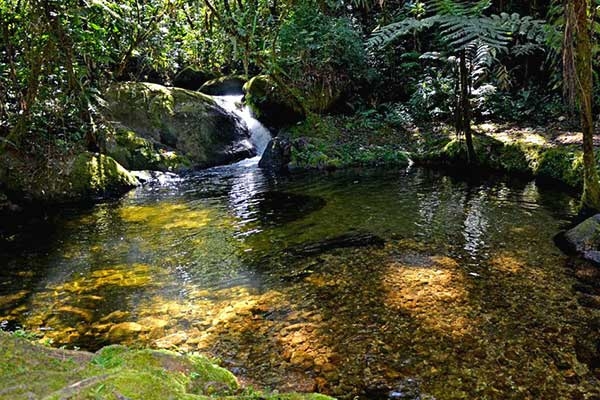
259 135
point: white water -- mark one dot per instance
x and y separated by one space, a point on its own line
259 135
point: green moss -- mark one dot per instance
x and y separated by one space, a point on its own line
563 164
189 124
28 370
270 103
98 174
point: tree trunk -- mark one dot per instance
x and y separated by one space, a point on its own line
568 60
464 108
590 198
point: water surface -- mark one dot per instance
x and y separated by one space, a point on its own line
358 283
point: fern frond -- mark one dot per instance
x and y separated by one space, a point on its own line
384 35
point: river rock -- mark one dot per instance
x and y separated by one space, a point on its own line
74 177
277 155
191 78
225 85
270 105
585 239
171 341
124 330
191 124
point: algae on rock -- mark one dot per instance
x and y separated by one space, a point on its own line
191 124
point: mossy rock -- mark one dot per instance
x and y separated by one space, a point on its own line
225 85
188 123
64 178
192 78
269 103
98 174
115 372
564 164
138 154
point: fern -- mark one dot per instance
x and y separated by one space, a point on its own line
462 25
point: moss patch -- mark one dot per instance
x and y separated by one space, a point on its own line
33 371
336 142
97 174
137 153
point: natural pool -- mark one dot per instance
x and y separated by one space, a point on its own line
360 283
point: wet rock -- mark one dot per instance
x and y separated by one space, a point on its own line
584 239
277 155
124 331
171 341
191 124
116 316
191 78
271 106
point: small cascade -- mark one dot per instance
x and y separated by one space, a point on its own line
259 135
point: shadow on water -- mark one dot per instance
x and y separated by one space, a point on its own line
363 283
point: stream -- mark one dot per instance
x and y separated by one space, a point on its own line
363 283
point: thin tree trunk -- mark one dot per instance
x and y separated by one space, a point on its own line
590 198
464 110
568 60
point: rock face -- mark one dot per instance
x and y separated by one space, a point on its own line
585 238
269 104
226 85
189 123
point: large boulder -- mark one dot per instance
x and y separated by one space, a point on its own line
269 103
191 78
585 238
68 178
189 123
225 85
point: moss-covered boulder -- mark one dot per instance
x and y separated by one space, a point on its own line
188 123
192 78
225 85
99 175
63 178
270 105
138 154
31 371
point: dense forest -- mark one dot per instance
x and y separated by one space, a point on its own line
382 199
385 66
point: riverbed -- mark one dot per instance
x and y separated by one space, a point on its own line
360 283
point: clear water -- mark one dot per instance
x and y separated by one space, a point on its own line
468 298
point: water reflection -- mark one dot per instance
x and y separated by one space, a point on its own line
207 265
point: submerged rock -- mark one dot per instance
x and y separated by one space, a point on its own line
337 242
188 123
585 239
283 207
